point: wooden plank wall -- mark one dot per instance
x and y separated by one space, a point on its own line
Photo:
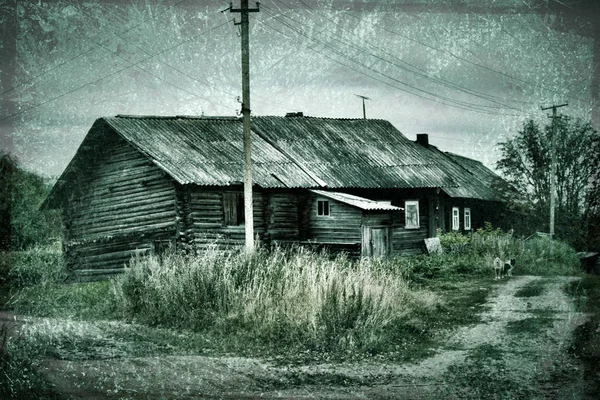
204 219
124 203
410 241
340 231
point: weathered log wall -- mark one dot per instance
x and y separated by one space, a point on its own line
203 217
124 203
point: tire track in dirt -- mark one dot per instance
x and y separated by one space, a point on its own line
522 354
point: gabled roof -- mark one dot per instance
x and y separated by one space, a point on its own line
292 152
475 180
356 201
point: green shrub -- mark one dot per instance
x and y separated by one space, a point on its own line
40 264
542 256
292 296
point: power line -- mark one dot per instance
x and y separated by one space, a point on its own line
465 59
463 103
411 67
74 58
109 75
448 101
161 61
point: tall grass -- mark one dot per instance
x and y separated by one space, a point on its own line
291 296
538 256
39 264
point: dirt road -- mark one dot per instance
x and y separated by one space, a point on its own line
525 327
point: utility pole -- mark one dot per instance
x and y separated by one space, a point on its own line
363 101
553 164
248 209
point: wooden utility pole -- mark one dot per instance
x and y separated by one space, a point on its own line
363 101
248 209
553 164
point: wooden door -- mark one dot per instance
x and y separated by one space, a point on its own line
376 241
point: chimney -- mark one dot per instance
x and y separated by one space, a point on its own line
423 139
295 114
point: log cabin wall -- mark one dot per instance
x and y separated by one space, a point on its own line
282 216
206 222
405 240
124 206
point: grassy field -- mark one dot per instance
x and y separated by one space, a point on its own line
290 306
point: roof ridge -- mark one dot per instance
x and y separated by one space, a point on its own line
175 117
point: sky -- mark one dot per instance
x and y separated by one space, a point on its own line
469 73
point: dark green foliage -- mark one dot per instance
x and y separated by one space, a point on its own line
531 289
22 223
525 164
36 265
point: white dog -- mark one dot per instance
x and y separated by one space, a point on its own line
503 266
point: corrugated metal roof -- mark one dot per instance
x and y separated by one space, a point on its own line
474 179
208 151
298 152
356 201
362 153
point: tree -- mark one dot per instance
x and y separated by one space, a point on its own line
22 223
525 164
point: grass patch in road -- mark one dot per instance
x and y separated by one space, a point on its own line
531 289
484 375
92 300
586 340
531 325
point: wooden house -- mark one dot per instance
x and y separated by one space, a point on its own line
141 184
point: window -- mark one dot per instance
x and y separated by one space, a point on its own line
233 208
467 218
323 208
455 219
411 214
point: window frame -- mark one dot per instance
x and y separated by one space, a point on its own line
236 201
407 204
323 208
455 219
467 215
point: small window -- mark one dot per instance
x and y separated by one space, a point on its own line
233 208
467 218
323 208
455 219
411 214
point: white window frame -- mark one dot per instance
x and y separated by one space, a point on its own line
411 203
455 218
467 218
326 208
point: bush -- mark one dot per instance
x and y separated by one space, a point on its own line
40 264
542 256
289 297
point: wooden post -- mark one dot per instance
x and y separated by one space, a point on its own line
553 165
248 206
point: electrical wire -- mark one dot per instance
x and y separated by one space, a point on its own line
408 66
109 75
448 101
73 58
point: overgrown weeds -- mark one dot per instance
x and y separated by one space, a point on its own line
538 256
288 297
37 265
19 377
